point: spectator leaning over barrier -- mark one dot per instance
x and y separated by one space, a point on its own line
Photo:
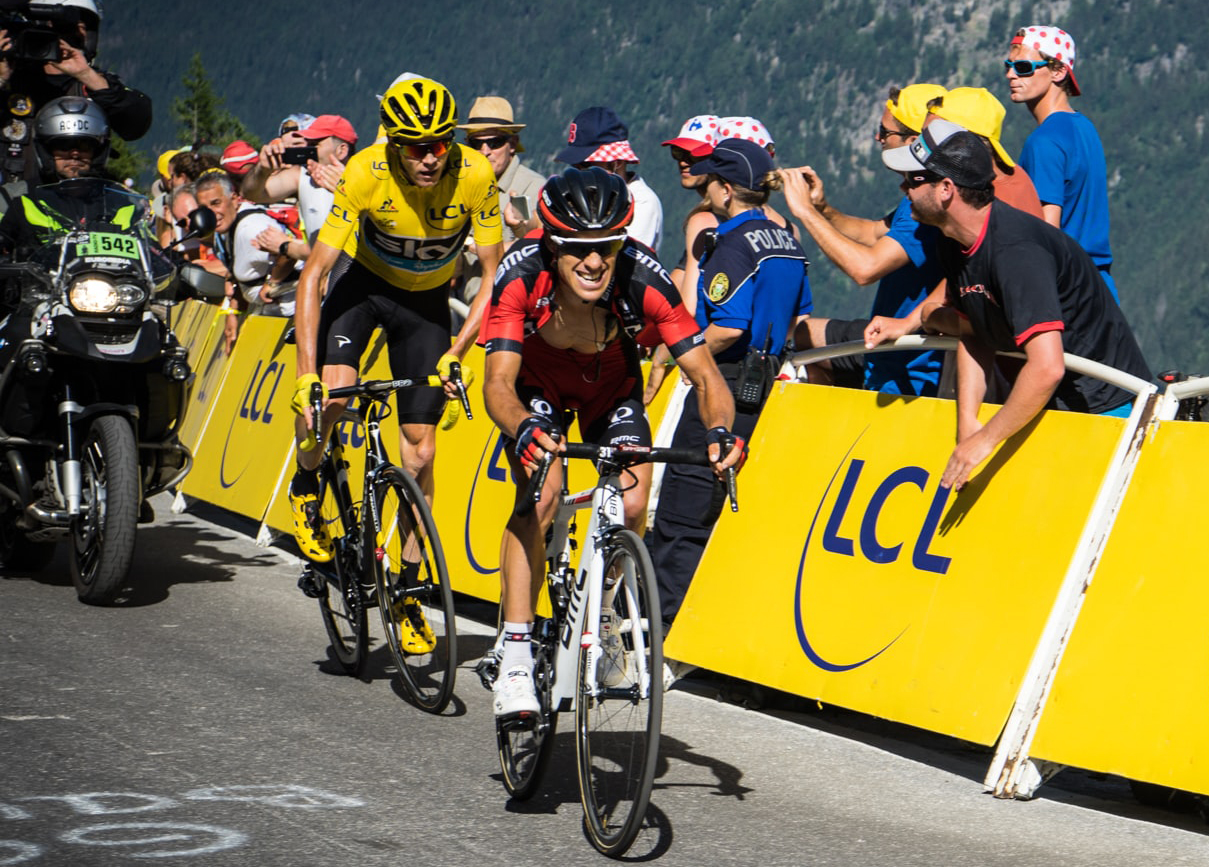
597 137
1019 284
753 293
975 109
1063 155
261 276
896 251
492 131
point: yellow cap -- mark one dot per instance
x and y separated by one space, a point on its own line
977 109
911 107
161 165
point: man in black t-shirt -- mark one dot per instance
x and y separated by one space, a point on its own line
1018 284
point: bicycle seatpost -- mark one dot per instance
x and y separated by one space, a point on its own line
455 376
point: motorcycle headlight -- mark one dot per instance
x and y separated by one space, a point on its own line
95 294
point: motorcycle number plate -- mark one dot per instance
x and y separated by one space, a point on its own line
108 244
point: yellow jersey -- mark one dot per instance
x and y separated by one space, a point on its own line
411 236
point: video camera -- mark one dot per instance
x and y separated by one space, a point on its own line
36 28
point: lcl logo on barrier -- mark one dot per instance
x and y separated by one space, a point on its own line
254 407
493 466
867 543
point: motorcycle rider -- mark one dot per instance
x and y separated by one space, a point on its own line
71 140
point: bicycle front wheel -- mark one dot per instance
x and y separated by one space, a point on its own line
619 700
416 601
342 605
525 745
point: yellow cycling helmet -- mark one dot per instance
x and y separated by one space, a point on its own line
417 110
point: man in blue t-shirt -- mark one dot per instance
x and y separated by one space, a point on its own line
895 250
1063 155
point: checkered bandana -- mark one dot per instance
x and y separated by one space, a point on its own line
614 150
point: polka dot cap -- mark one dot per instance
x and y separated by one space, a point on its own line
747 128
1052 42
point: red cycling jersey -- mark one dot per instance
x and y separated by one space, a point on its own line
641 296
605 388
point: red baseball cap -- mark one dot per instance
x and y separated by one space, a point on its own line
239 157
329 124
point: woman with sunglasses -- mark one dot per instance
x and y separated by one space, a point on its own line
567 313
403 210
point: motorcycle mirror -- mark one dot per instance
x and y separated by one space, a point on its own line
202 221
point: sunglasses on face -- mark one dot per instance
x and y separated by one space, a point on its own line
494 143
1024 68
911 181
883 132
583 248
419 150
680 155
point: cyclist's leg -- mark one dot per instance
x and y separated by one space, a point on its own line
417 326
345 326
522 570
617 416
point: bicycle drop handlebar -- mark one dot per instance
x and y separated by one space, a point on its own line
621 456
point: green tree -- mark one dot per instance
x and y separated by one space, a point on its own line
200 115
126 161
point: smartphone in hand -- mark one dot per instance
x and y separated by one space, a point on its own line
520 204
299 156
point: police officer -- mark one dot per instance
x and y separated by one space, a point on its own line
752 293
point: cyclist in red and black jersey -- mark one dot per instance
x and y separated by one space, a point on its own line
570 305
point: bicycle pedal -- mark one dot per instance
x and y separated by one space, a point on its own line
488 670
311 584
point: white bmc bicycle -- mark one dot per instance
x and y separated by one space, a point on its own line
600 654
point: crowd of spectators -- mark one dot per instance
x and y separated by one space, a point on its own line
271 203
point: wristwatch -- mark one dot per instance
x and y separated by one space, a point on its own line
284 249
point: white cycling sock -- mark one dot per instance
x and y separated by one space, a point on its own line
518 652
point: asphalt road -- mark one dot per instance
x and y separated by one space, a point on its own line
203 724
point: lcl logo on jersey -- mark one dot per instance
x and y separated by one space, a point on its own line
439 216
862 501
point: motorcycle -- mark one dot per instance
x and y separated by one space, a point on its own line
92 385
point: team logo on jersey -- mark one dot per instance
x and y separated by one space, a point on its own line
719 288
388 207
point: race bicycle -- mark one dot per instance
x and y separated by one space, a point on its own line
387 552
600 654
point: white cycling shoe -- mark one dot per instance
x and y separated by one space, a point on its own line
515 694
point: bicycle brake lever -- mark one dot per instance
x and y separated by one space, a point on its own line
455 376
732 485
533 493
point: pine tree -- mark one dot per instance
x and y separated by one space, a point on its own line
200 115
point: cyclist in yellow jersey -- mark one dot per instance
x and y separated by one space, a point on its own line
402 211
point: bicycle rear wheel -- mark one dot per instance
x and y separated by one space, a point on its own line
619 705
525 745
342 606
415 599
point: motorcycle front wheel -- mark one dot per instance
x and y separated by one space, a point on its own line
102 536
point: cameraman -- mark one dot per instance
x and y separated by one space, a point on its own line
46 51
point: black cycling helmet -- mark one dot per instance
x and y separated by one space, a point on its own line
579 200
